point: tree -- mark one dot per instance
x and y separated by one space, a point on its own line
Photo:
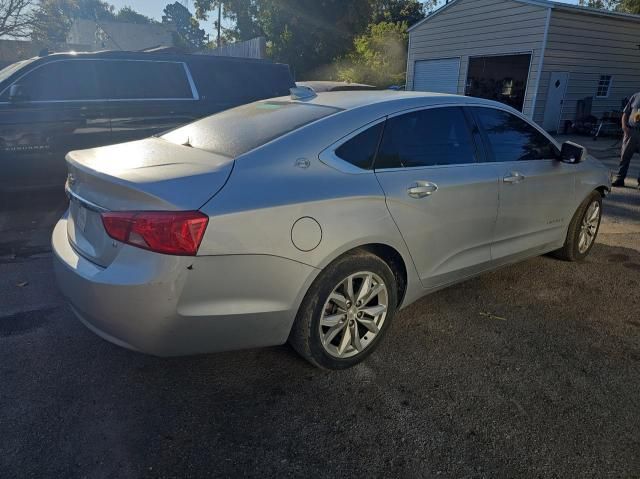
53 18
602 4
52 21
624 6
379 56
409 11
190 34
16 19
311 34
129 15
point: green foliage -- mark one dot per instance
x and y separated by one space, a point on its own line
189 33
129 15
52 21
379 56
624 6
310 34
53 18
409 11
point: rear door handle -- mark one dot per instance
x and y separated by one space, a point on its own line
514 177
422 189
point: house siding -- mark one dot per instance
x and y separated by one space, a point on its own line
588 46
120 35
470 28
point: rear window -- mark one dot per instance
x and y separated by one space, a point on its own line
233 82
239 130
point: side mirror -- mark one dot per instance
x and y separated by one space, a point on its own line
572 153
16 93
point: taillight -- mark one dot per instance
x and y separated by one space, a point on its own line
167 232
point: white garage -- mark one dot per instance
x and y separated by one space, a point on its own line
557 63
439 76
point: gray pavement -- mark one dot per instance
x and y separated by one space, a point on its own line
533 370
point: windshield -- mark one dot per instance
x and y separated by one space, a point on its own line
239 130
6 72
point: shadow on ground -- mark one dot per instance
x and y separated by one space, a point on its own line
533 370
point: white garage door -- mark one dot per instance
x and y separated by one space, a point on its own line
438 76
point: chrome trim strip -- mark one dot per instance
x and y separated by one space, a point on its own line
87 204
429 167
110 100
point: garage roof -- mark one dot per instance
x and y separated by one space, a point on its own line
547 4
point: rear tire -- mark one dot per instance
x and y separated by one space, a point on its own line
583 230
346 312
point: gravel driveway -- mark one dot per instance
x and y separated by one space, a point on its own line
533 370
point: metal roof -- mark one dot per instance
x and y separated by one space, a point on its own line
547 4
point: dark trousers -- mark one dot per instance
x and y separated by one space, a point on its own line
630 146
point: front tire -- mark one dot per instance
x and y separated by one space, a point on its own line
583 230
346 311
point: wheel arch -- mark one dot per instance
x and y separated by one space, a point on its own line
396 261
603 190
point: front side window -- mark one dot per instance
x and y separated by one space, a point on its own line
67 80
360 150
511 138
433 137
140 80
9 70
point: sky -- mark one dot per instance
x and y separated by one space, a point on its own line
153 8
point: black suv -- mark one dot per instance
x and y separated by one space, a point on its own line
54 104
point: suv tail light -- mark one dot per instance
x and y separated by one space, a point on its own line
167 232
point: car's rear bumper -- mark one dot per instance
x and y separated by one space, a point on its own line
171 306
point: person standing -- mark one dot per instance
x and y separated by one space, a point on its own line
631 142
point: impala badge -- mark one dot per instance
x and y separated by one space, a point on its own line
71 180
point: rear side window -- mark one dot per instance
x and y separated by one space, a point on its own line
137 80
239 130
511 138
66 80
433 137
360 150
232 81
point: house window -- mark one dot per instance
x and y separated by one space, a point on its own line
604 86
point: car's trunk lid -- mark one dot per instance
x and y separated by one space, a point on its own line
147 175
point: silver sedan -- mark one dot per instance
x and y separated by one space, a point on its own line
313 220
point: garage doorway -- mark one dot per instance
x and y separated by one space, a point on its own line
437 76
501 78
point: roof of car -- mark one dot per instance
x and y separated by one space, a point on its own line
150 55
348 100
327 85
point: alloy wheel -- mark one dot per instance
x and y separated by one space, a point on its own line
589 227
353 314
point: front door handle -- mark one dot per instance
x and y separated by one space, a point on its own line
422 189
514 177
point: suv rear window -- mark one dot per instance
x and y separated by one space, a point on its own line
239 130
